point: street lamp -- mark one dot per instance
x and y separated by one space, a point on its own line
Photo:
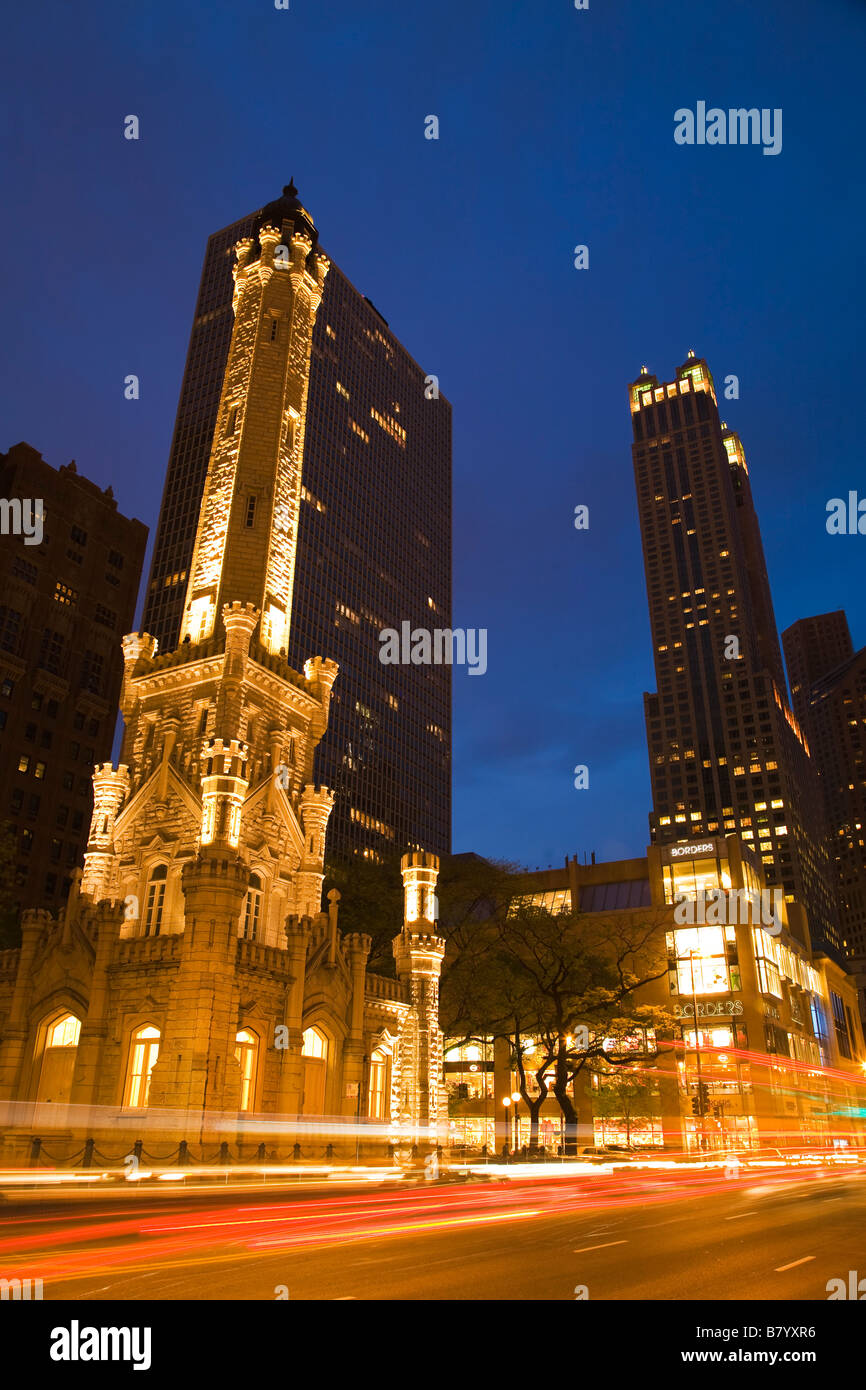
506 1101
515 1096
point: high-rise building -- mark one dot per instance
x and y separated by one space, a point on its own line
66 601
374 547
828 684
813 648
726 754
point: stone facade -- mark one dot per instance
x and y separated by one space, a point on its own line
193 988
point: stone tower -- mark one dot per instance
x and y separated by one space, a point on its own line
194 981
211 826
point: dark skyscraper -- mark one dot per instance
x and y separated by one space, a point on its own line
66 604
828 682
725 752
813 648
374 548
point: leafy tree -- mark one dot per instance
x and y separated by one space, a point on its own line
371 897
568 983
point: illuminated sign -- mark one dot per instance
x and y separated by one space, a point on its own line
710 1008
677 851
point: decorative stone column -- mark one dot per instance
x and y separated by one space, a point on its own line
356 948
108 918
298 931
35 922
418 953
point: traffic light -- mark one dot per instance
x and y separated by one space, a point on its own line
699 1101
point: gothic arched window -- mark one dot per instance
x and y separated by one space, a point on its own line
253 908
155 900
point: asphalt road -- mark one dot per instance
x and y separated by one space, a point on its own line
669 1237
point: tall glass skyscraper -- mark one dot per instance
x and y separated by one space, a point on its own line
726 753
374 547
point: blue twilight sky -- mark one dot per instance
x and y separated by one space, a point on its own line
556 128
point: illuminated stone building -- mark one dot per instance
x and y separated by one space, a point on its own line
726 753
194 988
373 547
828 686
65 602
780 1047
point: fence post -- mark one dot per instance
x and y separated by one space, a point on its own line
137 1148
224 1152
35 1146
87 1160
182 1154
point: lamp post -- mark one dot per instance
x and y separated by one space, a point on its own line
506 1101
702 1139
515 1096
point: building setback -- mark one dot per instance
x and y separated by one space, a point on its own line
828 685
65 604
374 548
726 754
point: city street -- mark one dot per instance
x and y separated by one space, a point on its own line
657 1236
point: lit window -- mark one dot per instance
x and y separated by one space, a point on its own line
65 1032
252 909
376 1096
64 594
701 961
246 1052
155 900
314 1044
145 1050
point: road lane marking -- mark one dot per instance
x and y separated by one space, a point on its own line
584 1248
793 1265
740 1216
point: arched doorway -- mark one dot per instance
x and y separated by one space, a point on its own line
58 1060
315 1054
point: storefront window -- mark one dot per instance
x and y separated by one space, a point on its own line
700 961
685 877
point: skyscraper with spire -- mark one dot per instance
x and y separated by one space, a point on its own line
726 753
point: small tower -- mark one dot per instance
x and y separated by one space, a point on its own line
110 787
418 953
